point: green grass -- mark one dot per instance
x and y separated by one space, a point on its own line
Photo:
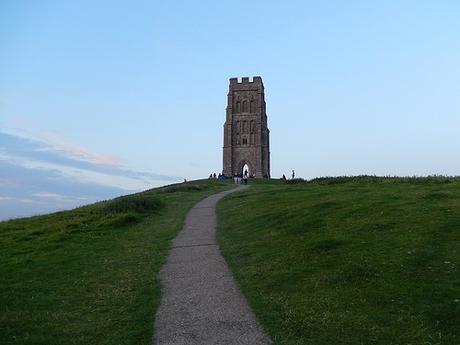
89 276
350 260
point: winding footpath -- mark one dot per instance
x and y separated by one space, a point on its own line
200 302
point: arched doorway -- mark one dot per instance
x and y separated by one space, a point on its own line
245 170
243 166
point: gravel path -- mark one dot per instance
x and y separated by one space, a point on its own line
200 302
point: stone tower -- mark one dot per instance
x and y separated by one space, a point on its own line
246 135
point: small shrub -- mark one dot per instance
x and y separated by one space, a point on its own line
122 220
133 203
295 181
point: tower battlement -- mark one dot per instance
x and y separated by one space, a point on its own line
246 80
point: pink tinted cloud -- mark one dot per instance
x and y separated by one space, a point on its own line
105 159
55 140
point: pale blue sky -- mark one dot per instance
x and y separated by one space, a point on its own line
352 87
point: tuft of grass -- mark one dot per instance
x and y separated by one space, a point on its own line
295 181
358 260
89 276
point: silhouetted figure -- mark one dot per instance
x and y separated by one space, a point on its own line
293 174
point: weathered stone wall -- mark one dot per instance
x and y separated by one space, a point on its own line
246 135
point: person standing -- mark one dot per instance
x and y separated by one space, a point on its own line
293 174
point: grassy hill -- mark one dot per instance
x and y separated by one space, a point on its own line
348 261
89 276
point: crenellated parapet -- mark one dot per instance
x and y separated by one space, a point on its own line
246 83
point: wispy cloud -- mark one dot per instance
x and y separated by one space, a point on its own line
58 143
39 176
73 161
28 201
48 195
105 159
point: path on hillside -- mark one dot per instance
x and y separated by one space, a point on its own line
200 302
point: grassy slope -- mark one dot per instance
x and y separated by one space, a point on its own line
89 276
351 263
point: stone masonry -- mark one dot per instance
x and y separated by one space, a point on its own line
246 135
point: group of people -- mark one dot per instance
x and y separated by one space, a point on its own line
241 178
238 178
218 177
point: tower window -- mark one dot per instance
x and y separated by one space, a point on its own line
245 106
238 106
